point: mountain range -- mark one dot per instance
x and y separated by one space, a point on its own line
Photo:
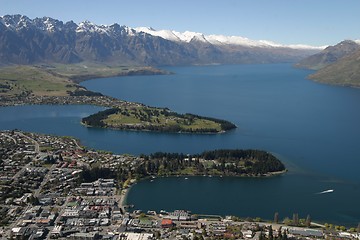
339 64
47 40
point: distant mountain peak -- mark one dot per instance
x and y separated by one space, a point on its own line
27 41
188 36
330 55
87 26
16 22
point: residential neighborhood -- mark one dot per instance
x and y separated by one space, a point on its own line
45 195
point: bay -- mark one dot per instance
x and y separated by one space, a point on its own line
313 128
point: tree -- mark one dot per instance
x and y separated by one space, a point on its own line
271 235
308 220
276 217
279 234
287 221
296 219
157 235
284 236
262 236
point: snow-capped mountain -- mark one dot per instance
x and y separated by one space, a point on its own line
26 41
218 39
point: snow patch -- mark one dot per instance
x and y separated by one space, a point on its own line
188 36
88 26
166 34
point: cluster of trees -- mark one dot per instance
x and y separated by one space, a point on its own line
228 162
167 164
95 120
282 235
83 92
258 162
295 221
93 174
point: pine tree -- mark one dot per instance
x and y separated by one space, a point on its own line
308 220
296 219
276 217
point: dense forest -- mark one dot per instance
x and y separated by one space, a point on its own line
217 163
96 120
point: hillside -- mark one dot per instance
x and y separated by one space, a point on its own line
345 71
58 79
329 55
46 40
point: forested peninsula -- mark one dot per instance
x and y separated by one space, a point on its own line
144 118
223 162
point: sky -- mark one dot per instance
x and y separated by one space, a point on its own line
311 22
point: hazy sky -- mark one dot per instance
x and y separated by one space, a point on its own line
313 22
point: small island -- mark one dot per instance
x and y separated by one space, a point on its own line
144 118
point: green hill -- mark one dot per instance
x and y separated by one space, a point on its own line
345 71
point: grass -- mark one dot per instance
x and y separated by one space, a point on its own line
57 79
203 123
40 82
189 171
155 117
88 69
119 119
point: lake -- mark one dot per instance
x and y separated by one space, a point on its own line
313 128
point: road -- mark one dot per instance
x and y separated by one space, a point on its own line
36 144
37 151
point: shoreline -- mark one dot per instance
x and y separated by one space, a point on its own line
68 99
97 100
125 191
155 131
123 197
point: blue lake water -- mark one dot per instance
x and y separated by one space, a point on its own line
313 128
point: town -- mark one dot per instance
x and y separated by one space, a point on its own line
49 191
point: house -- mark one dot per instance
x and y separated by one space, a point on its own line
167 223
304 232
57 231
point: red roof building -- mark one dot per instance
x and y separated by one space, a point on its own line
167 223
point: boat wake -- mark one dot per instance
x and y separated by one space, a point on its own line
326 191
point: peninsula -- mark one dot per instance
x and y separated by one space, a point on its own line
222 162
145 118
59 84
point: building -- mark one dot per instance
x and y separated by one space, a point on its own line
167 223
